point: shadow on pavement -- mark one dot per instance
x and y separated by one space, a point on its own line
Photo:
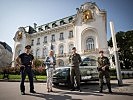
52 96
120 93
62 92
82 93
93 88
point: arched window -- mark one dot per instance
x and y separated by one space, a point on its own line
19 52
54 25
89 44
61 50
70 19
62 22
70 47
47 27
45 52
37 53
61 63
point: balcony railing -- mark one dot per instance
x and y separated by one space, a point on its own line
62 55
92 51
38 43
53 40
45 42
61 38
70 36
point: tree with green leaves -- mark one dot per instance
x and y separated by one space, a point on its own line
125 44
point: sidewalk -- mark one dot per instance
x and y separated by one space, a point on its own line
10 91
127 86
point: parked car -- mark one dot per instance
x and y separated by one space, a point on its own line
88 72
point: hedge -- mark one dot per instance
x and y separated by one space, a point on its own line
16 70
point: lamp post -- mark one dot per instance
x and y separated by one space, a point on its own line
118 70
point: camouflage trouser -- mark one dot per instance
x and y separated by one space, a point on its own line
107 77
75 72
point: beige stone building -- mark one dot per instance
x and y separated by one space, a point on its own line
86 30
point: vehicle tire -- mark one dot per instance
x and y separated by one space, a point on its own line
56 84
68 82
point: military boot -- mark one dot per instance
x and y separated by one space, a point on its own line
109 87
101 88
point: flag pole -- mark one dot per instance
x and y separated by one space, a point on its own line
118 69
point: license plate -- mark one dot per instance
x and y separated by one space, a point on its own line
85 77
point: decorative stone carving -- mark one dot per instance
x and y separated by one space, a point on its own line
19 36
87 14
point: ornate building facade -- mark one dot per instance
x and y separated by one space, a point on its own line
86 30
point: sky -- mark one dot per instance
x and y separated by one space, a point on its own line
21 13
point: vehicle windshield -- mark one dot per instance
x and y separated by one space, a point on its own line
61 70
88 62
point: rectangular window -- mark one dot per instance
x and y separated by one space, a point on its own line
38 41
32 42
61 36
53 38
70 34
45 39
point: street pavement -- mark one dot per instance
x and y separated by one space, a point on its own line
10 91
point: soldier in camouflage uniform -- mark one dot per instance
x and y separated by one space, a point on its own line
103 68
75 60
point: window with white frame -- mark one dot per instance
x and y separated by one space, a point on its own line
61 50
47 27
70 19
70 34
61 36
61 63
32 42
45 52
53 48
53 38
37 53
54 25
38 41
90 44
70 47
62 22
45 39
